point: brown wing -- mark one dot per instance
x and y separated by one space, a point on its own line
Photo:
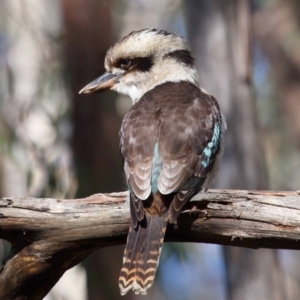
181 120
189 142
138 135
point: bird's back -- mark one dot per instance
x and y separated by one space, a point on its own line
169 141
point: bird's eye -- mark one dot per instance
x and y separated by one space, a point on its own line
125 64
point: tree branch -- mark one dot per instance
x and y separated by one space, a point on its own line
49 236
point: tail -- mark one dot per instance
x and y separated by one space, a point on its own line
141 256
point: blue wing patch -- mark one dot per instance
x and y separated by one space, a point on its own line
212 146
156 169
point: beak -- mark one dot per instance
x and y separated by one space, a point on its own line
102 83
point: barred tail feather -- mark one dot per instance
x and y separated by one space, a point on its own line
141 256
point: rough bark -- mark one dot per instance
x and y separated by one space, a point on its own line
49 236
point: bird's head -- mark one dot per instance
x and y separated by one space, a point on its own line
142 60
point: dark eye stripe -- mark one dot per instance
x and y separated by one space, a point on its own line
184 56
142 64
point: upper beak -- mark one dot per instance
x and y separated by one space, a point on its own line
102 83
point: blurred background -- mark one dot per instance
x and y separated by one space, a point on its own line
55 143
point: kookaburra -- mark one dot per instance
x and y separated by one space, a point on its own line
170 140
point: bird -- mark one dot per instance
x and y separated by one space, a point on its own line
171 140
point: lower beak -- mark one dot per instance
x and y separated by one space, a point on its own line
102 83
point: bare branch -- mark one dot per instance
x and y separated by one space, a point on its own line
49 236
